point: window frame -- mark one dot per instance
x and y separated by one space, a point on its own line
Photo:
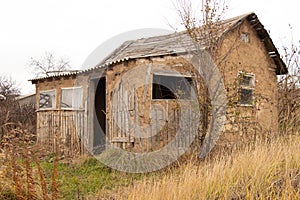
173 76
81 107
53 103
249 87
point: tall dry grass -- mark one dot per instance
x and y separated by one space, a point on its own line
267 170
21 174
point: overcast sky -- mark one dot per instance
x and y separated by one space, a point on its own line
74 28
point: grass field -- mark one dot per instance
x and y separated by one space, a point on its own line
266 170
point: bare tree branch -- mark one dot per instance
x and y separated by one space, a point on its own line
48 64
205 25
8 86
289 89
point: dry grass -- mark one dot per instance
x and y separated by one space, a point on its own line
19 176
266 171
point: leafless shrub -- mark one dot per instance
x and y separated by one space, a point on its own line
8 87
289 91
11 113
205 25
20 154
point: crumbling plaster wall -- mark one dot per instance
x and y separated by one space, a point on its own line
247 122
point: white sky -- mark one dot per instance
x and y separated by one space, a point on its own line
74 28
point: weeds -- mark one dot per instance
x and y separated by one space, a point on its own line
30 176
269 171
23 169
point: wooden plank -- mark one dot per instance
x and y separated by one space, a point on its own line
173 74
122 139
146 88
61 130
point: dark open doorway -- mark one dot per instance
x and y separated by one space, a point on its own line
100 115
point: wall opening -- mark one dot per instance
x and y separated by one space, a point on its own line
47 99
171 87
246 89
99 115
245 37
71 98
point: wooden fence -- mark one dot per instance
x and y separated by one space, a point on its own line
62 131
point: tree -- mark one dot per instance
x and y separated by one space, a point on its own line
205 28
205 24
12 115
8 105
8 86
48 64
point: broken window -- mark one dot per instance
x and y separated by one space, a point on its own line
47 99
171 87
71 98
246 89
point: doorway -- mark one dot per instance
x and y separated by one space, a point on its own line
99 139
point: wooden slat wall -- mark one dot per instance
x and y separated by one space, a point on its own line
167 119
61 131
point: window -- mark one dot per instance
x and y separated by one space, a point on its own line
47 99
71 98
246 89
171 87
245 37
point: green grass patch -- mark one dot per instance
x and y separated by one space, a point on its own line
86 178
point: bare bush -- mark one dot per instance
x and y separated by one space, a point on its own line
19 178
11 113
8 87
289 91
205 25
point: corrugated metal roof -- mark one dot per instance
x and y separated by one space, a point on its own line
61 74
181 42
175 43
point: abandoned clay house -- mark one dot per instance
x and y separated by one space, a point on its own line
135 86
